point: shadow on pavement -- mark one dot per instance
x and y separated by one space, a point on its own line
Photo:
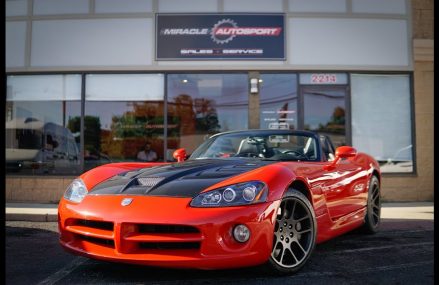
32 254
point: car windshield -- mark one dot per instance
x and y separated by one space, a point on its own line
281 146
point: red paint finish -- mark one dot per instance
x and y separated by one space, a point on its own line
217 248
99 227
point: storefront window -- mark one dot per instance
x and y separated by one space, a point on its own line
325 111
123 113
200 105
381 119
40 137
278 101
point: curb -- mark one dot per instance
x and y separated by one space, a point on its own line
31 217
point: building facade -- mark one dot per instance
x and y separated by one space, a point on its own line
91 82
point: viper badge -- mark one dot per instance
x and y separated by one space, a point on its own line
126 201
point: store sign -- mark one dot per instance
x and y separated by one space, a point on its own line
323 78
220 36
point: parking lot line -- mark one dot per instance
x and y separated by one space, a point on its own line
368 269
63 272
382 247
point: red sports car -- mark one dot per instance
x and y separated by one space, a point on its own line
245 198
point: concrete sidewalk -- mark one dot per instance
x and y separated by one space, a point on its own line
49 212
31 212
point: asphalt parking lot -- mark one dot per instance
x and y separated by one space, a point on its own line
401 253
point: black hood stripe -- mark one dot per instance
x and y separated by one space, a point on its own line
186 179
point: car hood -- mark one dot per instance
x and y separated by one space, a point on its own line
185 179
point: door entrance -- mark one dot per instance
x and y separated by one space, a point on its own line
323 108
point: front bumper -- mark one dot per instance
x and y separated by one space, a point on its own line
166 232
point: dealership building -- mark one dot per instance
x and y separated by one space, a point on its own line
91 82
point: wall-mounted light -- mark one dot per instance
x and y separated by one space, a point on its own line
254 85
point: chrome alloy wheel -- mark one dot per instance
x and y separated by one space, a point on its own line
294 233
372 218
375 205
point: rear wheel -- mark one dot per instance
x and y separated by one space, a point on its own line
294 234
373 214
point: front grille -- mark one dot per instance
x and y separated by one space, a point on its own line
171 229
134 238
96 232
95 224
169 245
104 242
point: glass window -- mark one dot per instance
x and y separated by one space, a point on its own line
278 101
325 111
40 134
272 145
200 105
381 119
123 113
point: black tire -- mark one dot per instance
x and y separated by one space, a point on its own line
372 219
294 236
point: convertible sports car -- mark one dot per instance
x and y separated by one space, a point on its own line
244 198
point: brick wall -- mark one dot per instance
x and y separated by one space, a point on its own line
36 189
419 187
423 19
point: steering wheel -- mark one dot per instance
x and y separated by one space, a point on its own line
296 153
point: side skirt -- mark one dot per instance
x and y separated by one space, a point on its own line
328 229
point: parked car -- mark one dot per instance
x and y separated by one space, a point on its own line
244 198
33 146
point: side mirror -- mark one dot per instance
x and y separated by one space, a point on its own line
345 151
341 152
179 154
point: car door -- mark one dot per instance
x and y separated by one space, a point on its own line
345 190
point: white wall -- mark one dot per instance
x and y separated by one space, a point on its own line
97 42
123 6
56 7
333 6
15 43
16 8
349 42
119 34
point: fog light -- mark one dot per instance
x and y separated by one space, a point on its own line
241 233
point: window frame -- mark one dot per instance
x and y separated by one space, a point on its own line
83 74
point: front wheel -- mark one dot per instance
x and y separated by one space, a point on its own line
294 234
372 219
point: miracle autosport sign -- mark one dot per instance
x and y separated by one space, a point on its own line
220 36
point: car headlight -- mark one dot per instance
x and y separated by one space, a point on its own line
76 191
233 195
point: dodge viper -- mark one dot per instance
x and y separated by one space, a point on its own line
243 198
